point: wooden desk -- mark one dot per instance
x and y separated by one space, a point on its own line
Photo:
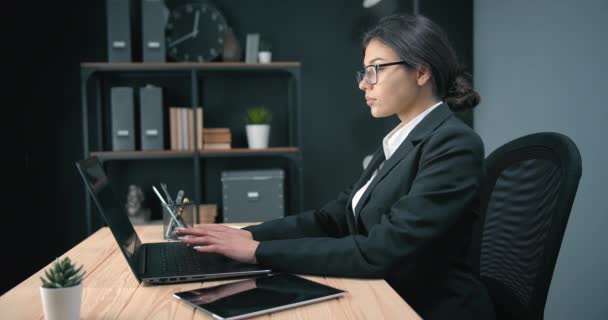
112 292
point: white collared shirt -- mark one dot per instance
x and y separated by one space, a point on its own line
390 143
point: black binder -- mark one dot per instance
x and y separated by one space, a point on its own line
151 118
123 122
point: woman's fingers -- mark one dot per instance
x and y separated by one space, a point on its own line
204 240
237 248
202 230
214 231
196 232
212 248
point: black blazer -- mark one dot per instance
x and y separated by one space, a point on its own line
412 226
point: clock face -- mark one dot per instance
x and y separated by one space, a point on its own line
195 32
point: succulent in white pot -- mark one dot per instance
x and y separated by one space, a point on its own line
265 53
258 127
61 290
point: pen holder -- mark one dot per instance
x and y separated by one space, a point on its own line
184 213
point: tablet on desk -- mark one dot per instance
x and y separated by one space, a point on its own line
256 296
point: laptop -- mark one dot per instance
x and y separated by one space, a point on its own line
156 263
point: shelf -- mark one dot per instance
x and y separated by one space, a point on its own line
173 154
246 152
187 66
136 155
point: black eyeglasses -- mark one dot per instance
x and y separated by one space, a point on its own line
370 73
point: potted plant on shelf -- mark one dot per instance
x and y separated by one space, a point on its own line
258 127
265 53
61 290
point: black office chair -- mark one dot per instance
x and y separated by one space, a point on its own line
526 199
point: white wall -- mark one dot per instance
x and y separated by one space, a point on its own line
542 65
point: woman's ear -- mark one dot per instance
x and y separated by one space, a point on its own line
423 75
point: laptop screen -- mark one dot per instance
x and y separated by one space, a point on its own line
113 212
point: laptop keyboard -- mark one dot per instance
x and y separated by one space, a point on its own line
179 259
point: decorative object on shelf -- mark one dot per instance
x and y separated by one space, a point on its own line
265 53
232 48
135 205
258 127
195 32
61 290
153 16
252 47
118 21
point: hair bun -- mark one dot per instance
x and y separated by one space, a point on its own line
461 95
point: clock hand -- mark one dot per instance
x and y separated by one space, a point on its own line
182 39
195 29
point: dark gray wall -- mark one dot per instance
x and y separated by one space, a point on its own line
337 128
325 37
541 66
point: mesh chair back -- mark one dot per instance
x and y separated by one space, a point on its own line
526 199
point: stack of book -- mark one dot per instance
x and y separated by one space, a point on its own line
217 138
181 123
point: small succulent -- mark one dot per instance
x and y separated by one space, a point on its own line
62 274
259 115
265 45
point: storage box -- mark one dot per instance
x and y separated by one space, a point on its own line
252 196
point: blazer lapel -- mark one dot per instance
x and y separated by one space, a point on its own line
423 129
376 160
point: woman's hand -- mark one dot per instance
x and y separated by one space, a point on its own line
231 242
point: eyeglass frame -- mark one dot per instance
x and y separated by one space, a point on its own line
361 73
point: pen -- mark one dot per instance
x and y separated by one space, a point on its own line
166 206
180 197
178 208
181 210
166 191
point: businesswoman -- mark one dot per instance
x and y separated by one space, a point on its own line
408 219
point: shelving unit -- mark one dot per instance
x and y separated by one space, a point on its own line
98 77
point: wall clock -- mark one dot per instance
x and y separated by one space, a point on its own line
195 32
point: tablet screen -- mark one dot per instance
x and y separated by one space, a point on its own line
257 296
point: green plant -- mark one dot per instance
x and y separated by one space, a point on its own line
265 45
259 115
62 274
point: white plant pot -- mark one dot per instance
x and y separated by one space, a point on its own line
61 303
257 135
264 57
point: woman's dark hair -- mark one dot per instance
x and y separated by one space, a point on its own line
419 41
